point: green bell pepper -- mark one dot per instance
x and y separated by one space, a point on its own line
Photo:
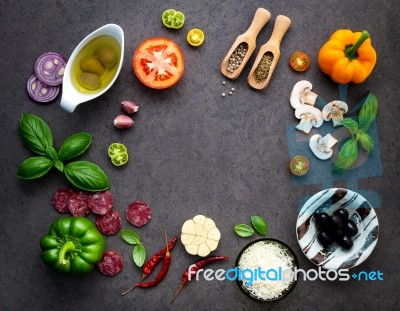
73 245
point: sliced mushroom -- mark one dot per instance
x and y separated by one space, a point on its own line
302 94
335 111
322 146
310 117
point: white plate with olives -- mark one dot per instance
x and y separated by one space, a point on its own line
337 229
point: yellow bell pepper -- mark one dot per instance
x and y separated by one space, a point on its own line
347 56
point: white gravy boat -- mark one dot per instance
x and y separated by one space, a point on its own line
71 96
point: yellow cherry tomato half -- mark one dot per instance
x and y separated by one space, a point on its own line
195 37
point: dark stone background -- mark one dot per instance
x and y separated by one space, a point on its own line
191 151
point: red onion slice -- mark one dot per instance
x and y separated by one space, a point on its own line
40 91
50 67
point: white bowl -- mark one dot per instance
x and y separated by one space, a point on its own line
360 212
71 96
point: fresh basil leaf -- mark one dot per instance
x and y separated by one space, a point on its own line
34 167
51 153
139 255
35 133
347 155
59 165
368 112
366 141
244 230
87 176
130 236
259 224
74 146
350 124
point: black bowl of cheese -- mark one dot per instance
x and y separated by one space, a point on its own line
266 270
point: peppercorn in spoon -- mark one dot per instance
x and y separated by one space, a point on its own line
268 56
244 45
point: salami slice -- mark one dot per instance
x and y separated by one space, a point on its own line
109 223
111 263
78 204
101 202
138 213
60 199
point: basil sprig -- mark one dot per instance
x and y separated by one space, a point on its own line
37 136
246 231
349 151
139 252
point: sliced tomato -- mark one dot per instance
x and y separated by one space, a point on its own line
299 61
158 63
195 37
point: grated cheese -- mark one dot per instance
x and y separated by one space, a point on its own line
267 256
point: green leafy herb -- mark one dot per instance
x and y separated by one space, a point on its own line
349 151
35 133
37 136
130 236
59 165
74 146
139 252
347 155
244 230
34 167
365 141
351 125
139 255
368 112
87 176
259 224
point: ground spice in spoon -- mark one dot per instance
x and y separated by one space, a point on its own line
262 70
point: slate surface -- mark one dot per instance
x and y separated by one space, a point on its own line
191 151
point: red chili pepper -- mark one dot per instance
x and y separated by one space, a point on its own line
164 269
151 264
194 269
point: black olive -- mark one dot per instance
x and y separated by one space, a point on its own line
343 213
346 242
337 234
350 228
335 223
321 221
324 239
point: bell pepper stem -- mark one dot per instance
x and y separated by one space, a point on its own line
67 247
351 51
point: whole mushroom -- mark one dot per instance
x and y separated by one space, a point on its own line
310 117
322 146
334 111
302 94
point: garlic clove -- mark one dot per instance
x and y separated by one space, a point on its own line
123 122
129 107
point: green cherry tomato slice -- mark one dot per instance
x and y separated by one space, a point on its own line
173 19
299 165
195 37
118 154
120 159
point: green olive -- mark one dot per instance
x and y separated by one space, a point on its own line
88 80
92 65
107 55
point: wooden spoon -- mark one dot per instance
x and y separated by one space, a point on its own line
261 17
282 24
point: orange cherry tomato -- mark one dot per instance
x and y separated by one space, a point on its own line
299 61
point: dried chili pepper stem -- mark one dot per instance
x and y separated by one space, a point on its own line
164 269
193 269
151 264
